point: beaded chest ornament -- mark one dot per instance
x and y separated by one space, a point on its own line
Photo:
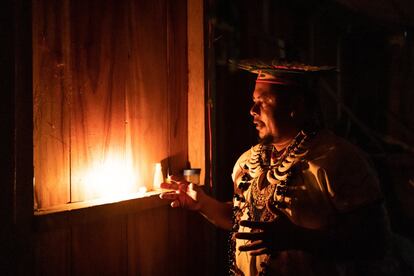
265 181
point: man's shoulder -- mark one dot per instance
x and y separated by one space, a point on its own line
344 170
326 144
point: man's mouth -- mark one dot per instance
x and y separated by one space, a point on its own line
258 124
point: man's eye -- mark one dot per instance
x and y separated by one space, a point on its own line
258 104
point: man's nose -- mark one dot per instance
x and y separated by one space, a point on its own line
254 110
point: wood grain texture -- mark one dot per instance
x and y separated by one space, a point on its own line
110 84
147 102
177 83
52 252
148 237
125 238
51 85
97 112
196 94
124 90
99 248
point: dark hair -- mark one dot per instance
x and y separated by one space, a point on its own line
292 94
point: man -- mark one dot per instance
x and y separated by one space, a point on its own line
305 201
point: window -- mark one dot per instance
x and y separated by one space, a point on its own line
110 97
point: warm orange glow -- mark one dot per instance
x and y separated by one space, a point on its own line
112 179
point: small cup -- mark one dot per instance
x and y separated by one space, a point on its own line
192 175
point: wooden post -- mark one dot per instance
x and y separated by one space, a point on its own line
196 98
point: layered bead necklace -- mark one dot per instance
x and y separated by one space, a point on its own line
268 174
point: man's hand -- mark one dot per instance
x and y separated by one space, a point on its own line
184 194
270 237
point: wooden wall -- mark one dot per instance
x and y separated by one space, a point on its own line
110 81
111 76
137 237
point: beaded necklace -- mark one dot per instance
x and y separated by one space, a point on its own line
267 173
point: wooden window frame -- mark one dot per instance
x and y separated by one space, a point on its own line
196 135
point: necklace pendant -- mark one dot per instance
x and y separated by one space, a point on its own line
281 190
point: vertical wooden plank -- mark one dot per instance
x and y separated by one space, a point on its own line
50 103
201 246
178 95
52 252
148 239
196 97
98 247
147 98
98 100
179 240
177 83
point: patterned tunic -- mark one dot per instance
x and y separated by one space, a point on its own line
333 178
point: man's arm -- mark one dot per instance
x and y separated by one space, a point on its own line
193 197
218 213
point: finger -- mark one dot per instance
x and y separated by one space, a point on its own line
254 224
169 195
171 186
176 178
249 236
175 185
252 246
182 187
175 204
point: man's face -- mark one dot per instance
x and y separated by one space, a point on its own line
270 113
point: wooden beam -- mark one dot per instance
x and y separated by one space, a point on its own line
23 138
196 98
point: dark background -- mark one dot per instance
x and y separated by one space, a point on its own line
369 101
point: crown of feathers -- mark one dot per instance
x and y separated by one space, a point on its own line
278 67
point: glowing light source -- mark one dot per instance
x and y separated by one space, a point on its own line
112 179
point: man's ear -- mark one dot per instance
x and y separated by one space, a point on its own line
297 105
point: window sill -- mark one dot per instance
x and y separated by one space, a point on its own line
93 202
85 212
